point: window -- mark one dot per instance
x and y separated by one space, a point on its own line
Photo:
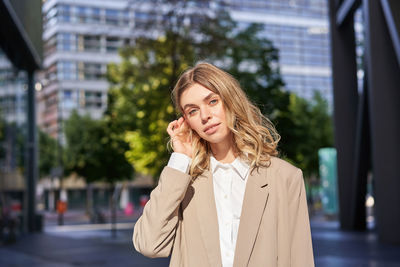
50 18
90 71
6 75
50 46
8 104
89 43
64 13
51 73
125 18
67 94
112 16
113 44
82 14
68 100
64 42
142 18
93 99
66 70
95 15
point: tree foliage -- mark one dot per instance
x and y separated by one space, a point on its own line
47 153
306 127
139 101
92 151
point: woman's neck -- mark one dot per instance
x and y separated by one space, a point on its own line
224 152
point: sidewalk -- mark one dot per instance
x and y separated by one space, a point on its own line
92 245
72 217
333 248
78 246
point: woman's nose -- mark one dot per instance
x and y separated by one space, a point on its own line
205 114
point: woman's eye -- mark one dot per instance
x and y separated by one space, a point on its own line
191 112
214 101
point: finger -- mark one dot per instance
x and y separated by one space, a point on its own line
179 122
171 125
176 126
171 128
186 130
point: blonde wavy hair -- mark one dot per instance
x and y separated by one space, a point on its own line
255 137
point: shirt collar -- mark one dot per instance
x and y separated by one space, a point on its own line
241 167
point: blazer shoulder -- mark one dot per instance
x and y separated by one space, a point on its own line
284 169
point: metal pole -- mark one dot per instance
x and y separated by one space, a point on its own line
344 77
31 165
59 157
383 92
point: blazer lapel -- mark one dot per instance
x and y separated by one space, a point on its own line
254 203
207 216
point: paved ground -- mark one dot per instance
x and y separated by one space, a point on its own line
333 248
92 245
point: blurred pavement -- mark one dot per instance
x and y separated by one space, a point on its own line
92 245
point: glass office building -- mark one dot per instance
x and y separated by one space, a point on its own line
12 92
82 36
13 114
299 29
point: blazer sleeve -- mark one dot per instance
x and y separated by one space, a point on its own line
154 232
301 245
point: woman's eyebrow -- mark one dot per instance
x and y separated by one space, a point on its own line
210 95
188 106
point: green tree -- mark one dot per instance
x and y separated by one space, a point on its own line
306 127
83 146
139 100
92 151
96 153
47 153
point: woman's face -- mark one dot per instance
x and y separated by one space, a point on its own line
205 113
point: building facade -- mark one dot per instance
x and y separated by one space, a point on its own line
12 92
299 29
13 114
80 39
82 36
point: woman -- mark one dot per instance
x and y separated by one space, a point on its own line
224 199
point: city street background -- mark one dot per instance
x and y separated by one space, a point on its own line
85 100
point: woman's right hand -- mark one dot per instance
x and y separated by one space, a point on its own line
180 138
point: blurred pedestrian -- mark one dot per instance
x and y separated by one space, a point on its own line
225 198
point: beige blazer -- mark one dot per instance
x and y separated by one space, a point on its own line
180 220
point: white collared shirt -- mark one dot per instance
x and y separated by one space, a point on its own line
229 181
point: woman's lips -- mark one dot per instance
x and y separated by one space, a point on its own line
212 129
